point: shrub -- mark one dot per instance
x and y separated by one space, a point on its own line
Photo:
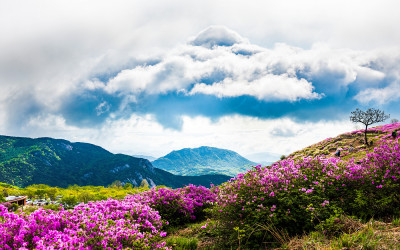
110 224
297 196
177 206
11 206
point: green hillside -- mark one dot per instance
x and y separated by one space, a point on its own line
26 161
204 160
312 199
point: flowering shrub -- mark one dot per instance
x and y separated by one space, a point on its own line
379 129
134 222
297 195
177 206
110 224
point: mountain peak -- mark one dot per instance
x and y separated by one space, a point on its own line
203 160
57 162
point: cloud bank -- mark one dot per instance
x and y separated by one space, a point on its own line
81 69
216 68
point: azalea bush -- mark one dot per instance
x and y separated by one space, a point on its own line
135 222
110 224
177 206
295 196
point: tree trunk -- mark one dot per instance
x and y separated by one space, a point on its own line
365 133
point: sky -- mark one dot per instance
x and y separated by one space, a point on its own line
262 78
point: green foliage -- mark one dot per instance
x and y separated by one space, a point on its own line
396 222
85 197
128 186
40 193
54 207
182 243
11 206
52 193
69 202
117 184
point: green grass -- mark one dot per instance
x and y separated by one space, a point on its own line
396 222
354 235
183 243
366 239
370 235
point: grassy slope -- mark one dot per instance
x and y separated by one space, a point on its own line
354 139
356 234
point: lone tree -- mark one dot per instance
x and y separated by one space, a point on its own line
367 118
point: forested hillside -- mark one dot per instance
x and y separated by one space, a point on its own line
26 161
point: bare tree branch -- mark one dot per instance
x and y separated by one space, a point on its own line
368 117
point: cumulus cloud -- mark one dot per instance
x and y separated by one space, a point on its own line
269 87
219 62
242 77
379 96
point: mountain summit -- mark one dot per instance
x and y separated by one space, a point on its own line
55 162
203 160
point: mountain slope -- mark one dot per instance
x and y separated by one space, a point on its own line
203 160
350 143
362 182
26 161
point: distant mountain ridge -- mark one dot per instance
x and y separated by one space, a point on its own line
57 162
203 160
147 157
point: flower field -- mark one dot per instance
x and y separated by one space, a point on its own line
297 195
291 197
133 223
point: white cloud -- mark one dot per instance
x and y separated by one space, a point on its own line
217 36
379 95
144 135
52 47
55 49
102 108
269 87
236 67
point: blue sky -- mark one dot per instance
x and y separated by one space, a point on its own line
262 78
